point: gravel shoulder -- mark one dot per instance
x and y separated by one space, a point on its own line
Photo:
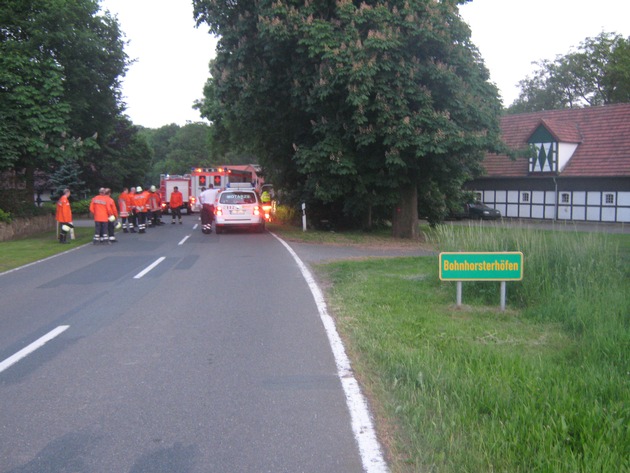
316 253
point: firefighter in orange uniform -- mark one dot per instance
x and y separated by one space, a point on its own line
140 206
99 207
154 203
176 202
133 217
123 206
63 215
112 215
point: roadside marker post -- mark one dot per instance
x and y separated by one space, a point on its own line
493 266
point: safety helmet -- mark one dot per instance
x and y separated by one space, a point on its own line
138 189
111 218
118 226
65 228
152 188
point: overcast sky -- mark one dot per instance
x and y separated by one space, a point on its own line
172 55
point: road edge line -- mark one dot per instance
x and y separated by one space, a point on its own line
362 426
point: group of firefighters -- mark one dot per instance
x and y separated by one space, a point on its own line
137 209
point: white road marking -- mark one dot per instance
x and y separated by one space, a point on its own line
195 227
184 240
149 268
40 342
364 433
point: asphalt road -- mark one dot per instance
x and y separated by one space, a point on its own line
215 360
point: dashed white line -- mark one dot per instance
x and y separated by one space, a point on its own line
364 433
149 268
183 240
195 227
40 342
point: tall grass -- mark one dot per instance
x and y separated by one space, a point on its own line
544 387
579 280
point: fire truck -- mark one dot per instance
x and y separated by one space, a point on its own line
191 184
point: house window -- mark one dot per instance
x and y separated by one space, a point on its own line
564 198
525 197
609 198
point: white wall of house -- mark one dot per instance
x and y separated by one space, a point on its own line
589 206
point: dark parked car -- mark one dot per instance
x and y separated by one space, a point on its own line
477 211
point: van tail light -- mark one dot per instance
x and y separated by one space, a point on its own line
256 210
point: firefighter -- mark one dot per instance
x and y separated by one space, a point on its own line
112 212
124 210
133 216
140 206
207 199
176 202
63 215
99 207
265 197
154 203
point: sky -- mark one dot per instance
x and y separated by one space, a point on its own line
171 55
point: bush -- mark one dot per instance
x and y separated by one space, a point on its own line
5 216
287 215
81 207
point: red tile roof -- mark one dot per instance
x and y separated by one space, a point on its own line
602 134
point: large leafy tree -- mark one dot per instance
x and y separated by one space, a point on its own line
596 73
365 107
61 62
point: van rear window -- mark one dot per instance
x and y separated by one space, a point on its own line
237 198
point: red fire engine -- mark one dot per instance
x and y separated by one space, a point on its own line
191 184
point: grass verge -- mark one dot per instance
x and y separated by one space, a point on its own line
16 253
542 387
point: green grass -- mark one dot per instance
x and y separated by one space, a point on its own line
542 387
16 253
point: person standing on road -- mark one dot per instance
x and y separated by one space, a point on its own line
140 206
99 208
112 212
207 199
123 206
133 216
176 203
155 206
63 215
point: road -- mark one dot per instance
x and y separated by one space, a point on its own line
215 359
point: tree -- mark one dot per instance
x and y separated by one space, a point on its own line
60 67
597 73
178 149
356 105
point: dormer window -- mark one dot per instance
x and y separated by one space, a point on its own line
544 157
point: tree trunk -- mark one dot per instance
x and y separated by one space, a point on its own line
367 218
405 218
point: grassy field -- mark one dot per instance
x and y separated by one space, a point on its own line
541 387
